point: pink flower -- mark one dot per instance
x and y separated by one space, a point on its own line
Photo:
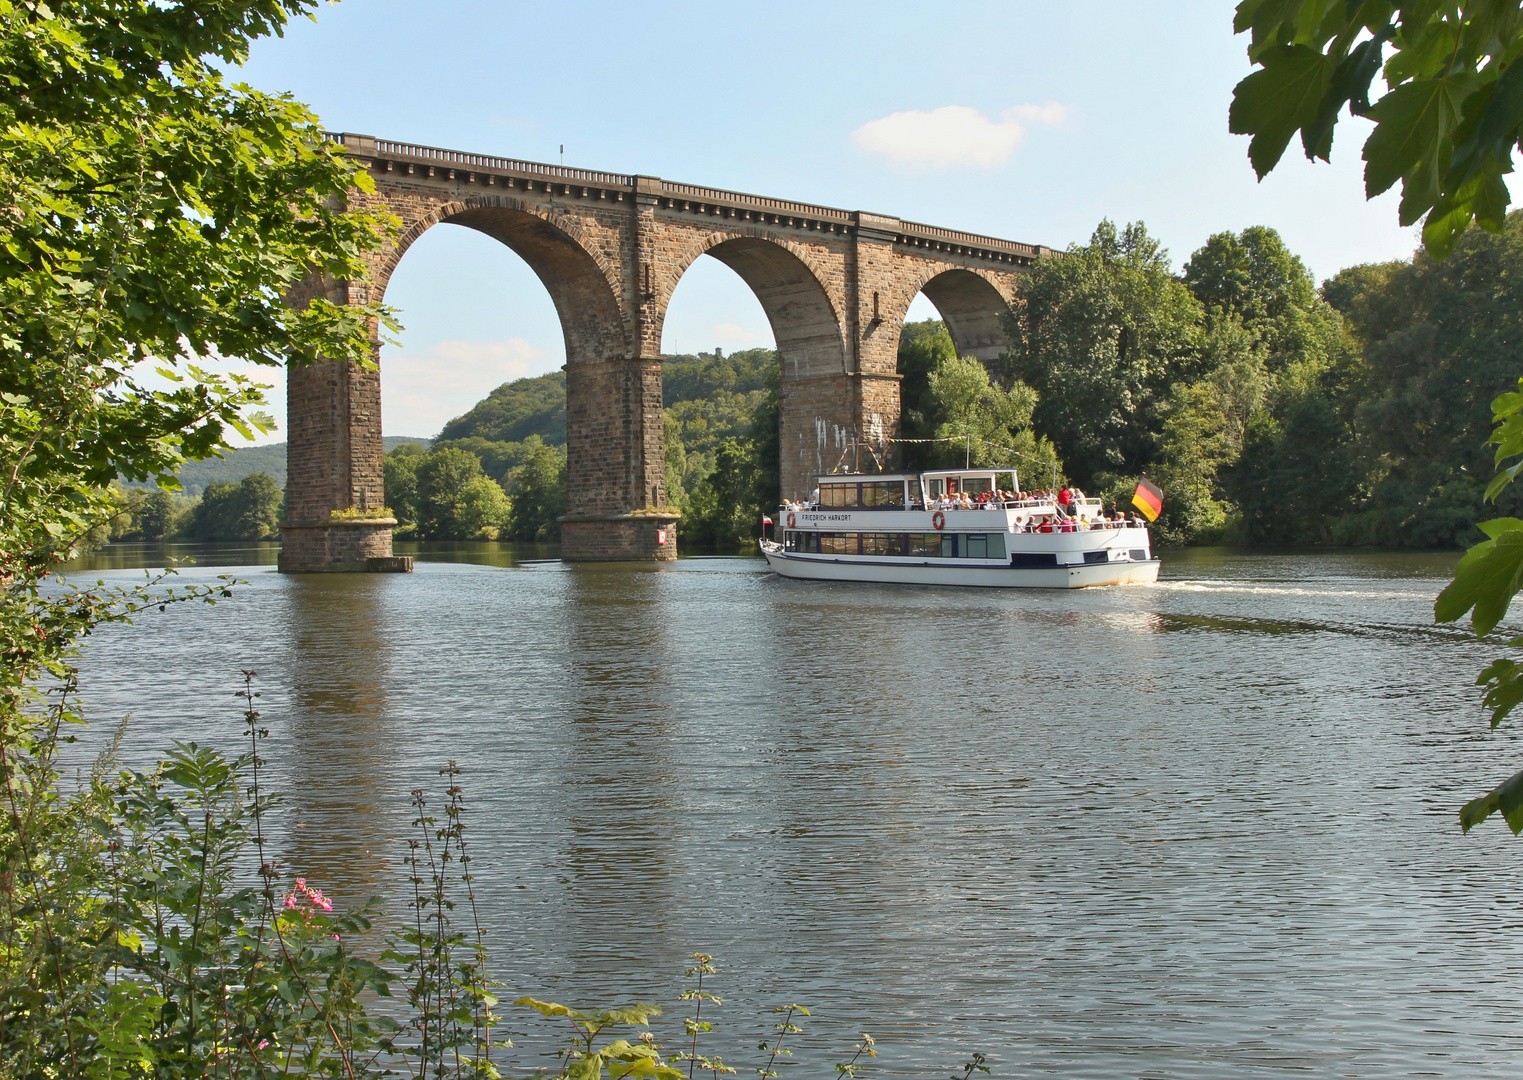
291 900
262 1044
301 883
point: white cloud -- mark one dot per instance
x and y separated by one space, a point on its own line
952 136
733 335
420 393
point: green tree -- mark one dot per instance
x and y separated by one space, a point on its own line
984 424
1101 335
1251 273
707 375
538 489
455 499
1271 345
247 510
1439 344
152 212
156 519
725 509
399 470
922 345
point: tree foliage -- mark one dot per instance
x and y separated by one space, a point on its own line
247 510
1101 335
537 484
453 499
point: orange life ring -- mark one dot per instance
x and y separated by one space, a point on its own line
938 520
790 519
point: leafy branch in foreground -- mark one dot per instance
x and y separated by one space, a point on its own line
1447 125
1487 578
1446 128
694 1025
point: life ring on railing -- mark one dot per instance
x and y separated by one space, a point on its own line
791 519
938 520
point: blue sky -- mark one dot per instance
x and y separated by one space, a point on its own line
1023 120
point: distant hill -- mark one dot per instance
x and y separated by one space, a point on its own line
242 462
537 406
516 410
707 375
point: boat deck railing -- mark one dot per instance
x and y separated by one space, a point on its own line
1082 508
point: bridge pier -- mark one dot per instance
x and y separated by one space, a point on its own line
336 517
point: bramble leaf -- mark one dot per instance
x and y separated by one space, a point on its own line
550 1008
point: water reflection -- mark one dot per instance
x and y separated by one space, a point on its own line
133 556
622 781
480 552
341 733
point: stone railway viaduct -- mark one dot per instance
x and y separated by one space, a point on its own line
610 249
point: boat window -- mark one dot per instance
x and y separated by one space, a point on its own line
883 493
914 486
996 545
803 541
881 544
838 494
974 484
934 488
837 543
924 544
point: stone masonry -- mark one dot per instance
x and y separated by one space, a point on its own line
610 249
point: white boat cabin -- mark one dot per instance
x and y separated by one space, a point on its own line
972 516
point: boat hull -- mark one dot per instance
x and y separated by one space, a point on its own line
1082 576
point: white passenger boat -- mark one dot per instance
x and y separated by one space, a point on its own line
902 528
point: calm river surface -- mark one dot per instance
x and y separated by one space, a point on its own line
1202 829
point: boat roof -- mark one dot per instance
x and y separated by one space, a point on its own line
857 478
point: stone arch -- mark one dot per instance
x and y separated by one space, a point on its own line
972 306
806 321
582 284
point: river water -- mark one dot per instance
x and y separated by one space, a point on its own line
1201 829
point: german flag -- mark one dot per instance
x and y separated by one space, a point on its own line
1148 499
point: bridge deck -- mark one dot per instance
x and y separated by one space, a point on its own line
387 155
